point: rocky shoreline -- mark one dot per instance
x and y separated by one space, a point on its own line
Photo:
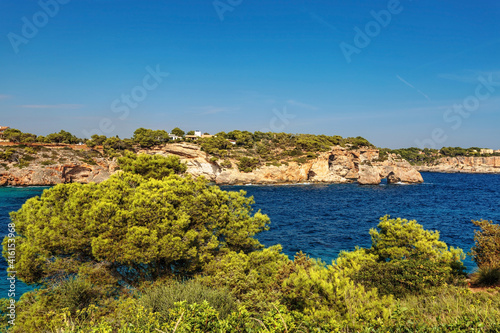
463 164
336 166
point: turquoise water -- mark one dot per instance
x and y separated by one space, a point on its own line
322 220
11 199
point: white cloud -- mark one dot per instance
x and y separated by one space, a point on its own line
4 96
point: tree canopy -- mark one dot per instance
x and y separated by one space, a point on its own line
147 138
177 131
139 229
151 166
399 239
15 135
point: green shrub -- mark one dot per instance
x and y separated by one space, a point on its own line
329 298
253 279
295 152
311 156
28 158
486 250
487 276
22 163
47 162
404 259
248 164
75 294
89 161
8 154
300 160
400 239
29 150
226 164
403 277
161 298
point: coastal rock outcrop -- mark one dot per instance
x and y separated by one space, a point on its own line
197 161
339 165
39 175
369 175
463 164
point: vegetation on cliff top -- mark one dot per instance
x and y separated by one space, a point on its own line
248 150
148 252
428 156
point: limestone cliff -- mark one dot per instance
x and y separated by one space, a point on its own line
57 166
336 166
463 164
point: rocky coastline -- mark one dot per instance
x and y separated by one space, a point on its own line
339 165
463 164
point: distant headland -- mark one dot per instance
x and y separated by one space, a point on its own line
236 157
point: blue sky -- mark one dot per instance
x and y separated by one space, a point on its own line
400 73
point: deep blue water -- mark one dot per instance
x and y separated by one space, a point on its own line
322 220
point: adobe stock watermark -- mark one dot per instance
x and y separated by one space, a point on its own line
372 29
31 26
279 122
11 273
223 6
122 105
455 114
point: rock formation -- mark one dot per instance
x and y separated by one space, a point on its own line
336 166
463 164
38 175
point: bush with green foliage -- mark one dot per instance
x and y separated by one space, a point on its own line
247 164
404 259
161 298
216 145
400 239
226 164
151 166
486 276
329 299
486 250
403 277
9 155
253 279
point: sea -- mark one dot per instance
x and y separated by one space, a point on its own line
323 219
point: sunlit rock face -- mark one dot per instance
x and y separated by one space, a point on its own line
339 165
